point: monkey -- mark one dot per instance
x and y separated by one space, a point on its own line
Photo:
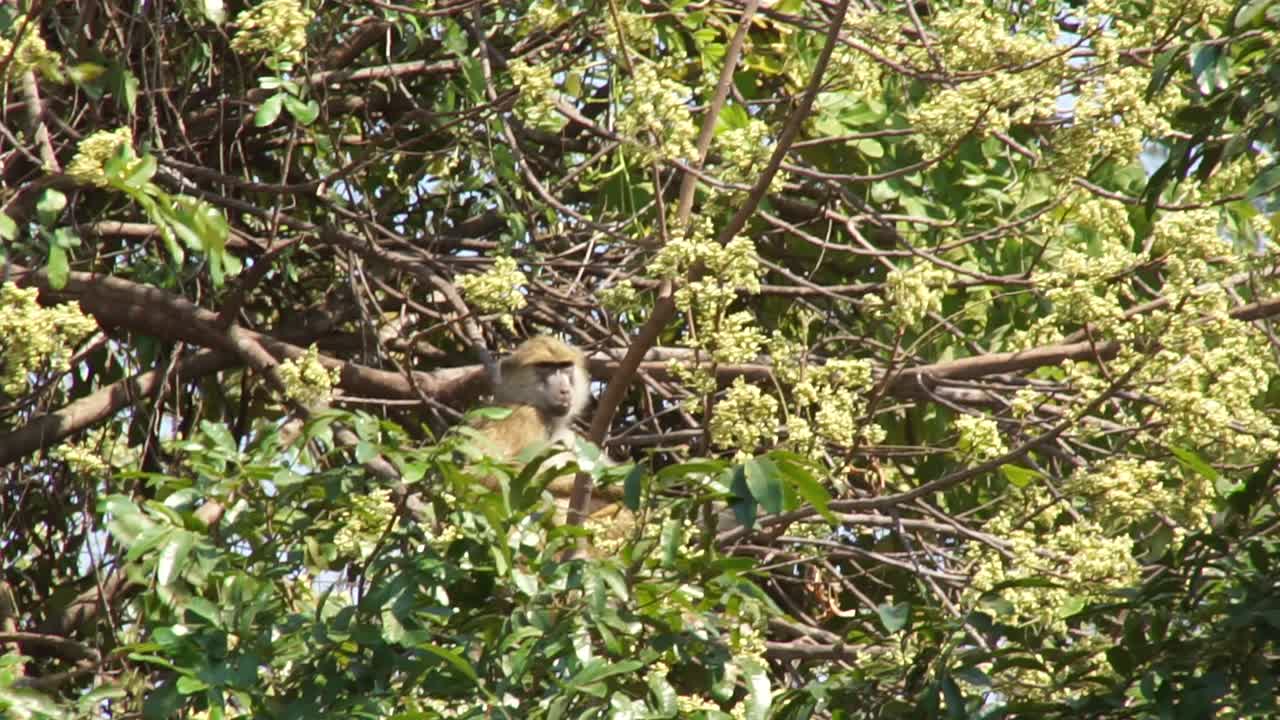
545 384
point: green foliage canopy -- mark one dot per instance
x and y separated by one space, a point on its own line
961 310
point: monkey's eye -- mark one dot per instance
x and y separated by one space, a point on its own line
546 370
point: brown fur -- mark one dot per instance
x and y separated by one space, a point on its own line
532 376
531 381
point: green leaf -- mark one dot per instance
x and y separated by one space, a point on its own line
612 579
955 699
220 434
58 268
127 521
126 87
455 39
1211 68
65 237
85 73
732 117
215 11
457 661
744 506
8 228
50 206
1267 182
473 72
25 703
1190 460
1250 12
870 148
598 669
141 171
759 693
117 167
672 541
304 112
205 609
631 488
765 483
188 685
894 617
1019 476
91 701
269 110
664 694
793 470
162 703
147 540
212 227
173 558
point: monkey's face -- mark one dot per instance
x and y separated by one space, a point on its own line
555 381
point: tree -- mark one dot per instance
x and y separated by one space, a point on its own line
963 311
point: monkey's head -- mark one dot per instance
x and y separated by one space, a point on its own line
547 374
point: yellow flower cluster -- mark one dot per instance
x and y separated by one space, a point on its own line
735 339
546 14
34 337
687 705
1079 302
1189 235
990 104
278 27
657 118
497 289
1208 381
743 152
723 272
306 380
980 439
913 292
1025 402
1109 220
31 54
1111 118
1145 23
850 69
1087 247
745 419
622 297
1086 563
369 516
96 453
697 378
82 458
1123 490
727 269
837 416
828 400
747 641
93 152
636 28
537 94
972 39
